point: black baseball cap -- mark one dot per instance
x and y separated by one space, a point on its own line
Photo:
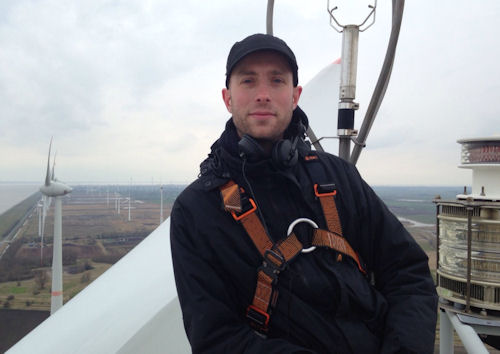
257 42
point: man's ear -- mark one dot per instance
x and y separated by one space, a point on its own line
226 96
296 95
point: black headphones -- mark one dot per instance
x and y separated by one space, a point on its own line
283 155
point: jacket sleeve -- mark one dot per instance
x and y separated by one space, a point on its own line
213 321
402 275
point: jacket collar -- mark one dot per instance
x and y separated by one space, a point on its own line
224 163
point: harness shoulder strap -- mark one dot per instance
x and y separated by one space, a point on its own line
245 213
324 190
276 256
326 193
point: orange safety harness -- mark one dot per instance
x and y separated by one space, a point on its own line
277 255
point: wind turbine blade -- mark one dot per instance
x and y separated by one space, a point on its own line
53 178
47 176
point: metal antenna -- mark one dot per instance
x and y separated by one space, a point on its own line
269 17
349 65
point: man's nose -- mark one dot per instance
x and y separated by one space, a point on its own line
263 93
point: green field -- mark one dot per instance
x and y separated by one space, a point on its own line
11 217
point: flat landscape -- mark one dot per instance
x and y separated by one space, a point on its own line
96 234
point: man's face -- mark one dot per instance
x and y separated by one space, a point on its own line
261 96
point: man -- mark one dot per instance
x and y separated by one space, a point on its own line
243 285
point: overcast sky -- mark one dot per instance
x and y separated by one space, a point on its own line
132 89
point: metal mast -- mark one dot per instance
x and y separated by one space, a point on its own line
349 66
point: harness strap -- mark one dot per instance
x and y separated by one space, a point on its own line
277 255
323 238
326 194
231 197
266 293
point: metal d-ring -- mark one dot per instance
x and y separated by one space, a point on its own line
299 220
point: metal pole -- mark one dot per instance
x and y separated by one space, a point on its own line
445 333
314 139
269 17
467 335
383 80
437 244
347 94
469 256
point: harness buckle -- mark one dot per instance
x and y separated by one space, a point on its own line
325 190
245 213
259 320
274 260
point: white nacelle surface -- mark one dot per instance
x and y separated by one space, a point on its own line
131 308
320 101
55 189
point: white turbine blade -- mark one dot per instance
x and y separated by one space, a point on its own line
46 206
47 176
53 177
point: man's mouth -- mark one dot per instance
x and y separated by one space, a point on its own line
262 114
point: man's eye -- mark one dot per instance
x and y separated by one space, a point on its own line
278 80
247 81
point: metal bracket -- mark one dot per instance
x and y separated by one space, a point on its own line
333 20
356 142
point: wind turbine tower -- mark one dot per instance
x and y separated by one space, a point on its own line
39 209
129 186
56 189
129 208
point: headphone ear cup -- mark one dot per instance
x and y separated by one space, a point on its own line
250 149
284 155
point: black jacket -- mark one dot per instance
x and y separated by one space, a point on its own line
324 306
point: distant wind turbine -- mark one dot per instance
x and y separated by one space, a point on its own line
161 204
129 208
56 189
46 201
39 207
129 186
